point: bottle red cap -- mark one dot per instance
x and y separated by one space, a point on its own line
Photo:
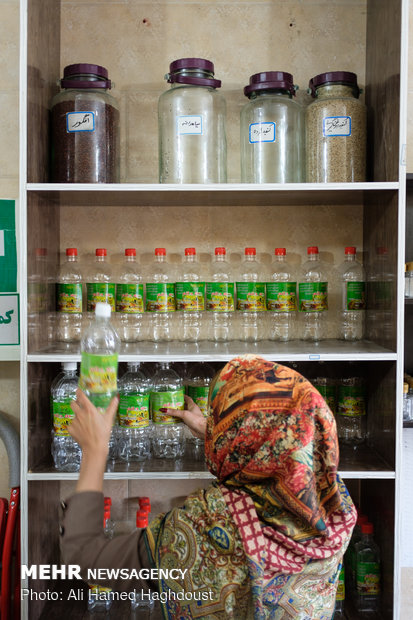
280 252
101 252
367 528
71 252
190 251
350 250
130 252
219 251
160 252
144 500
141 519
250 252
382 250
312 250
362 519
107 500
41 251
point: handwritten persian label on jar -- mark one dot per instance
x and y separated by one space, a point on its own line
356 296
251 296
368 578
129 298
160 297
100 291
281 296
166 400
69 298
134 410
199 394
351 401
62 417
312 296
336 126
98 377
190 296
80 121
261 132
220 296
191 125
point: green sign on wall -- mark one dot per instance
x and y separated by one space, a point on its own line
8 254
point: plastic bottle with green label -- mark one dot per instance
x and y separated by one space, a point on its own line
251 304
313 297
69 299
130 300
340 595
353 305
367 571
190 298
66 452
100 285
351 411
281 294
99 364
220 299
198 381
135 426
160 299
168 440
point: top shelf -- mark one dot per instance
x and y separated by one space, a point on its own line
228 194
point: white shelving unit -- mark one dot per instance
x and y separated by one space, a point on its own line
141 213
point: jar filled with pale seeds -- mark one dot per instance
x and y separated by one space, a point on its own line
335 130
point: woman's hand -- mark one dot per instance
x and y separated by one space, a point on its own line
192 416
91 429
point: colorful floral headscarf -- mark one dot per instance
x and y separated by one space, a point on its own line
269 537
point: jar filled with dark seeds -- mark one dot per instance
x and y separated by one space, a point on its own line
85 128
335 130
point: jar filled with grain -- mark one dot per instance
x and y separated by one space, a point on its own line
335 130
271 130
85 127
191 117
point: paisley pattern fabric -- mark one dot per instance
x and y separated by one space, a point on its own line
266 540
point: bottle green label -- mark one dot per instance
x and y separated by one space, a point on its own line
220 296
368 578
100 291
134 410
69 298
351 400
341 590
281 296
166 400
62 416
328 392
251 296
356 296
190 296
160 297
98 375
199 394
312 297
129 298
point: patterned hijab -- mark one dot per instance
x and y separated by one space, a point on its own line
268 538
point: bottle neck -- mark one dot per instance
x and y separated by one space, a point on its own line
220 258
130 259
100 259
160 259
313 257
350 258
190 258
165 365
71 259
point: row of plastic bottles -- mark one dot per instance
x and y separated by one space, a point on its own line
100 598
141 429
360 575
256 303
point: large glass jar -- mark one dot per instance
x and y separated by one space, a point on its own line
85 128
192 140
335 130
271 130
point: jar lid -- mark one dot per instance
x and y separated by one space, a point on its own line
270 80
74 76
192 64
332 77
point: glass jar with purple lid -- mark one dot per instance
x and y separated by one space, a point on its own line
272 130
191 116
85 127
335 129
